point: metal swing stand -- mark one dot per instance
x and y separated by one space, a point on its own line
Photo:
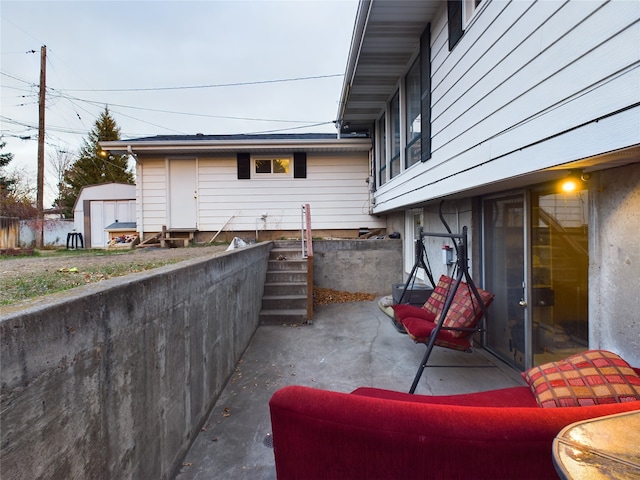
462 271
421 262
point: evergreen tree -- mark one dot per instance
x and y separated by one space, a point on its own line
93 167
16 191
5 158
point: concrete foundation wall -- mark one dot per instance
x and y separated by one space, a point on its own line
614 262
367 266
113 380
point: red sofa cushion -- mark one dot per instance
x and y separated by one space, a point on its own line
505 397
590 378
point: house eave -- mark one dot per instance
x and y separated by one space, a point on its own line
185 147
385 37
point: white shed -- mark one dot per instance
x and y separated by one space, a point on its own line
98 206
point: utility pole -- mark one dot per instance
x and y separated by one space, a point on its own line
40 196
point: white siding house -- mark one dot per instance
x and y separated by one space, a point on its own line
98 206
251 185
487 106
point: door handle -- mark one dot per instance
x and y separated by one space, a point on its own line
522 303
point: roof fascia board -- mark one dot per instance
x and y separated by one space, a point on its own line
362 19
344 144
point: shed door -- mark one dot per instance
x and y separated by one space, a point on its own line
183 195
104 213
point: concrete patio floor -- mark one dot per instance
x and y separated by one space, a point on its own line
347 346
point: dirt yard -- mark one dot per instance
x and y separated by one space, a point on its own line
68 269
24 266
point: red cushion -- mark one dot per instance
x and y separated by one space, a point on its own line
420 330
590 378
504 397
402 311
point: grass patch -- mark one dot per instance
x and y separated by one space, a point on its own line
33 286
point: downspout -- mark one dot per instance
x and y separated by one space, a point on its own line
138 176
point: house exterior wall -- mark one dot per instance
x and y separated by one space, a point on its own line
530 88
335 188
530 85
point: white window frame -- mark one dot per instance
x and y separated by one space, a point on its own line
470 9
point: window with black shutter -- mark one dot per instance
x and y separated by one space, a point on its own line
299 165
454 11
244 166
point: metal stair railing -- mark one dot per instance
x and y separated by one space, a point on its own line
307 252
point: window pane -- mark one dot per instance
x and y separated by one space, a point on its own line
281 165
263 166
414 121
395 166
382 149
395 125
413 153
395 135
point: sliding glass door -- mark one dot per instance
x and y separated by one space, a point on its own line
536 262
504 268
559 274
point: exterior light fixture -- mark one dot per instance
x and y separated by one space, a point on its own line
573 182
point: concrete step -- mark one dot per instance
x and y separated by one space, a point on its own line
284 276
285 288
290 265
283 317
284 302
292 244
285 254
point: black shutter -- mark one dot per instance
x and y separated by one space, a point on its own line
244 166
425 94
454 10
299 165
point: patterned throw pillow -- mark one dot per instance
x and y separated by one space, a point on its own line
589 378
435 302
465 310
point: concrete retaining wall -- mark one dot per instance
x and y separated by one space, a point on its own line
113 380
368 266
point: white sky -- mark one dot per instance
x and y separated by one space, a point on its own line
152 48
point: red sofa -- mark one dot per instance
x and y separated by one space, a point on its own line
373 433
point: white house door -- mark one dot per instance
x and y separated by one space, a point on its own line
183 194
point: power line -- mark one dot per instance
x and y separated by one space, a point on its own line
215 85
172 112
